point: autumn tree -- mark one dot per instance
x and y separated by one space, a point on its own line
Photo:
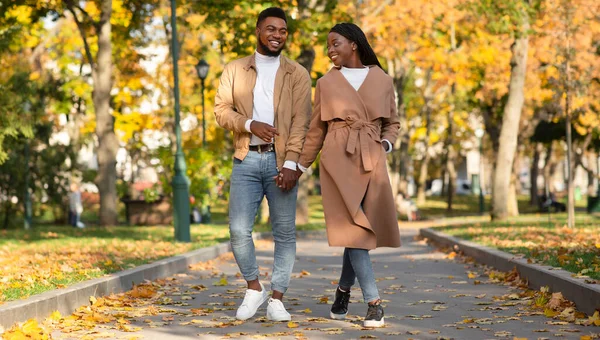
513 18
98 22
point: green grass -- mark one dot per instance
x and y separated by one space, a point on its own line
49 257
547 242
468 205
52 257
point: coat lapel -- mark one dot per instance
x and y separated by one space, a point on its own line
356 95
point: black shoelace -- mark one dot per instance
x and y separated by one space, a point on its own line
373 312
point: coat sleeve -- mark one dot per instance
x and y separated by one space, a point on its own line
316 133
300 117
390 126
225 113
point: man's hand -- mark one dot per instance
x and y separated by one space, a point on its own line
286 180
263 131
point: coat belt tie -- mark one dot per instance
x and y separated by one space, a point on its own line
361 132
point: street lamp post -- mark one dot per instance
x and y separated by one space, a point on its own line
479 134
181 196
28 209
202 70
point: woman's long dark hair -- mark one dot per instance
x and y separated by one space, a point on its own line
356 35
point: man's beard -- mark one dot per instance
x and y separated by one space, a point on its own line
268 52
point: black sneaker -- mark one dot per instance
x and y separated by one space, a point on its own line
339 310
374 316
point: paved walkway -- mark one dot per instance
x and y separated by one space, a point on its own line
427 296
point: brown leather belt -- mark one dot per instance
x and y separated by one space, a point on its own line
263 148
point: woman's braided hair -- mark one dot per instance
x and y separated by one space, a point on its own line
356 35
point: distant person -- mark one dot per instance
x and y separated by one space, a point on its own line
354 124
264 99
547 203
75 207
408 206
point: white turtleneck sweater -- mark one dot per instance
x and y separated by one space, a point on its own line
263 109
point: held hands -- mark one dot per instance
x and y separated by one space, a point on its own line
263 131
286 180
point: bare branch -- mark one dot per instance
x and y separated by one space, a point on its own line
86 46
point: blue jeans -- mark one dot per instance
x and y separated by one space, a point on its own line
357 264
251 180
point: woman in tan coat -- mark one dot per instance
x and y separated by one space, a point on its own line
354 124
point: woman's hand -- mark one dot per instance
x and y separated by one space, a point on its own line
286 179
298 173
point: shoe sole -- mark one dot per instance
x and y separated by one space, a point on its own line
337 316
257 307
277 320
374 323
287 318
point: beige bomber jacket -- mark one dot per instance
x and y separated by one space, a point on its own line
292 103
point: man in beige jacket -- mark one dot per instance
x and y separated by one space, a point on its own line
265 100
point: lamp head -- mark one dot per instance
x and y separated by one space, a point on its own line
202 69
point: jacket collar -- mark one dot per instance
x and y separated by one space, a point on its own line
285 63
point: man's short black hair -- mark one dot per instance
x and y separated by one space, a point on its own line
271 12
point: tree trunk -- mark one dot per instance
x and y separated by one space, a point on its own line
444 174
514 189
547 169
450 152
405 161
534 173
425 162
592 170
450 159
451 175
399 158
302 212
421 192
7 214
306 59
510 129
108 144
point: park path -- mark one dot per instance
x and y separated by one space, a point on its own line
426 295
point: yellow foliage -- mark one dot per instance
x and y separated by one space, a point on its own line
27 330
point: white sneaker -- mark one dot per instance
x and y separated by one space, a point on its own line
252 301
276 311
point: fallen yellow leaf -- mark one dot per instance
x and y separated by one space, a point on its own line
292 325
55 316
221 282
550 313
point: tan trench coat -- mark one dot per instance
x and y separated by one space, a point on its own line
347 126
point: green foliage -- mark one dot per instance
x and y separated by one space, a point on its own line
507 17
15 114
48 169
